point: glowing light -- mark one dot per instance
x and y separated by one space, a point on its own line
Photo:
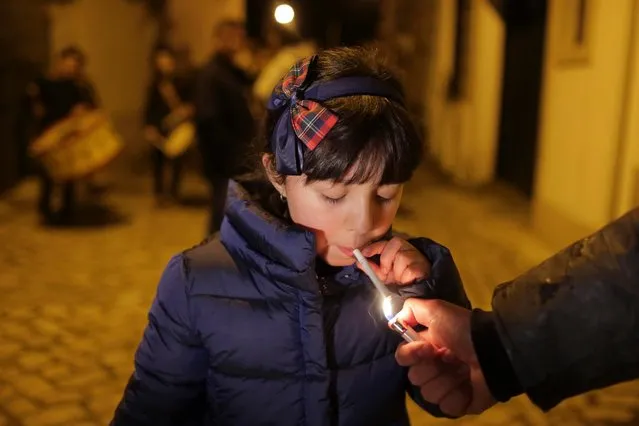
284 14
387 307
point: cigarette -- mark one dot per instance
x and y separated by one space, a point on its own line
379 285
407 332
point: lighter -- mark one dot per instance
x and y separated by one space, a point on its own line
394 323
407 332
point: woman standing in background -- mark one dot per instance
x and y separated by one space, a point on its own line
167 105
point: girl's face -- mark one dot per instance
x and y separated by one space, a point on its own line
342 217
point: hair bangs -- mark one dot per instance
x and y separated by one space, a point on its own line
376 143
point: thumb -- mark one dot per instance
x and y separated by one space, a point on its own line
419 311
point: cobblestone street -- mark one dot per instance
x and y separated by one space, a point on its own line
74 300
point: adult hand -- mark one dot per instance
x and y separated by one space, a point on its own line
444 364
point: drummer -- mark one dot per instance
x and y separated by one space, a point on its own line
167 105
54 97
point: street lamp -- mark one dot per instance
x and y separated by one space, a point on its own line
284 14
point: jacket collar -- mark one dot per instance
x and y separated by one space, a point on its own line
266 242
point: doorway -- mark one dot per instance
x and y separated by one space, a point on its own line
522 85
24 43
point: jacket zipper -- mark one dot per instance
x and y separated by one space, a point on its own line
331 305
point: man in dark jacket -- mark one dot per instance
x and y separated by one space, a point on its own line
566 327
223 118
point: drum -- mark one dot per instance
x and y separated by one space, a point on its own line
78 146
179 140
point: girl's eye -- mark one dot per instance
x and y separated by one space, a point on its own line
384 200
331 200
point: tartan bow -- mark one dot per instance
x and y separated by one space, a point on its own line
302 121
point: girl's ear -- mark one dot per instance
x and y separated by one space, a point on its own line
276 179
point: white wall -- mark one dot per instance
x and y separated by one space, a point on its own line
627 195
194 20
580 125
464 134
487 60
117 37
438 110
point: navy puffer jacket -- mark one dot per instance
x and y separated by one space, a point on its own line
243 332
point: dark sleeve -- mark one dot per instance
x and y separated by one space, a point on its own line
171 365
32 97
152 114
570 325
246 78
87 94
199 92
185 88
231 117
222 111
492 356
34 90
444 282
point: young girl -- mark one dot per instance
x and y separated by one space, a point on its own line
271 322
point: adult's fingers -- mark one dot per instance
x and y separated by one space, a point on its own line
456 402
408 354
436 389
419 311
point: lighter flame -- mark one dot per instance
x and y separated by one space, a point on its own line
387 307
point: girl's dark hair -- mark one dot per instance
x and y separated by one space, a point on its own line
374 134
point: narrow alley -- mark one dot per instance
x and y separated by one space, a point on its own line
74 301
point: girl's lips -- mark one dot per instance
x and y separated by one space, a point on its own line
347 251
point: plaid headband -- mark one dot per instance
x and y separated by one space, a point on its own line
304 122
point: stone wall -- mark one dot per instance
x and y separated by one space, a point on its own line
24 45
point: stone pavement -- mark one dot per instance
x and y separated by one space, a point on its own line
74 300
